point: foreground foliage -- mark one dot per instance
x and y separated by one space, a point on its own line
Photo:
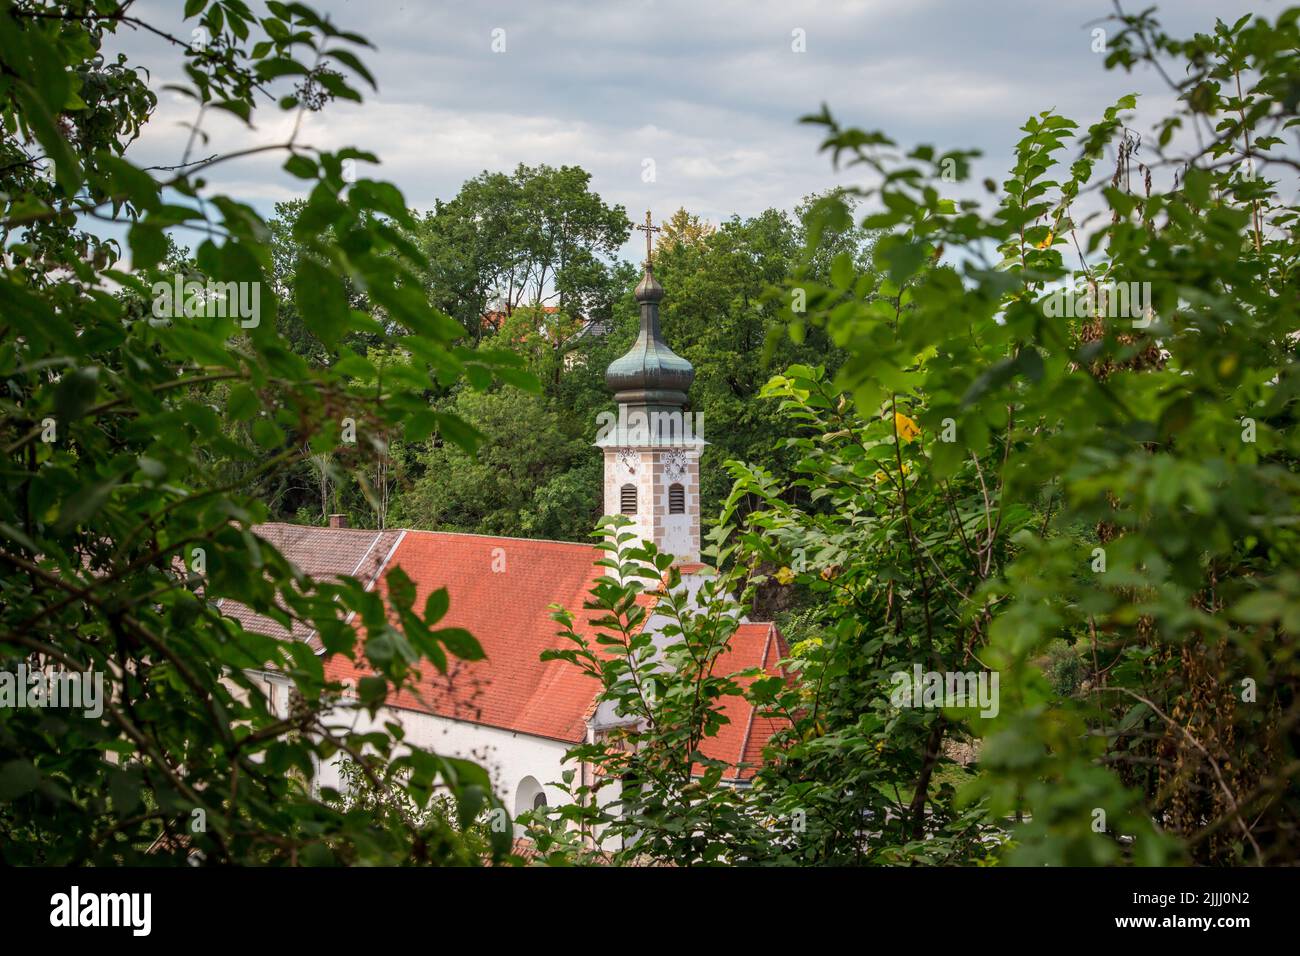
1097 505
135 430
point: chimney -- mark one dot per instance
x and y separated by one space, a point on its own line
338 521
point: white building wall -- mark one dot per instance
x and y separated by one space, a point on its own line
510 758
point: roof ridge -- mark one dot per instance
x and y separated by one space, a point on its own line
499 537
319 527
767 644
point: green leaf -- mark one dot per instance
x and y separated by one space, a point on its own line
304 167
74 393
435 606
148 245
459 432
322 301
460 642
17 777
242 405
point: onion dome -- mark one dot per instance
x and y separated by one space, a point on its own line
650 373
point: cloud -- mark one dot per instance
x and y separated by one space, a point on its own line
710 91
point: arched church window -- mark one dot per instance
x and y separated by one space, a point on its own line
676 499
627 503
529 796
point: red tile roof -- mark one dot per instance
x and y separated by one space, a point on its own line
740 741
508 612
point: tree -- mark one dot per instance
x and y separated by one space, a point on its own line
1133 450
136 427
532 479
683 227
721 313
654 796
535 236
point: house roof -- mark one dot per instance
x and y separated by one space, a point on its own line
591 329
323 553
500 590
740 741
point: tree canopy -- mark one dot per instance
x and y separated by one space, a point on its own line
144 403
1044 507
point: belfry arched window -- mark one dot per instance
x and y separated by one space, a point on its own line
627 499
676 499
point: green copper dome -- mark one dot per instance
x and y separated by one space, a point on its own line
650 373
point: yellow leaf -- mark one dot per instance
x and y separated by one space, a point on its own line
906 428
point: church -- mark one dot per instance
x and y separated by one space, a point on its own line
511 712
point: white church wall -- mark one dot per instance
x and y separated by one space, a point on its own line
519 765
275 687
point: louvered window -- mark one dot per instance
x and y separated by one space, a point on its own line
676 500
628 500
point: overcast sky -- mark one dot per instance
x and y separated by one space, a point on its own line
707 91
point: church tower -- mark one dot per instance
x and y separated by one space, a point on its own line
652 452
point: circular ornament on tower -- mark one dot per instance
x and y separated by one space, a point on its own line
675 465
628 462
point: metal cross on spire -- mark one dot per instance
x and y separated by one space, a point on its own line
649 231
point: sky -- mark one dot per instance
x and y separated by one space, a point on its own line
702 94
